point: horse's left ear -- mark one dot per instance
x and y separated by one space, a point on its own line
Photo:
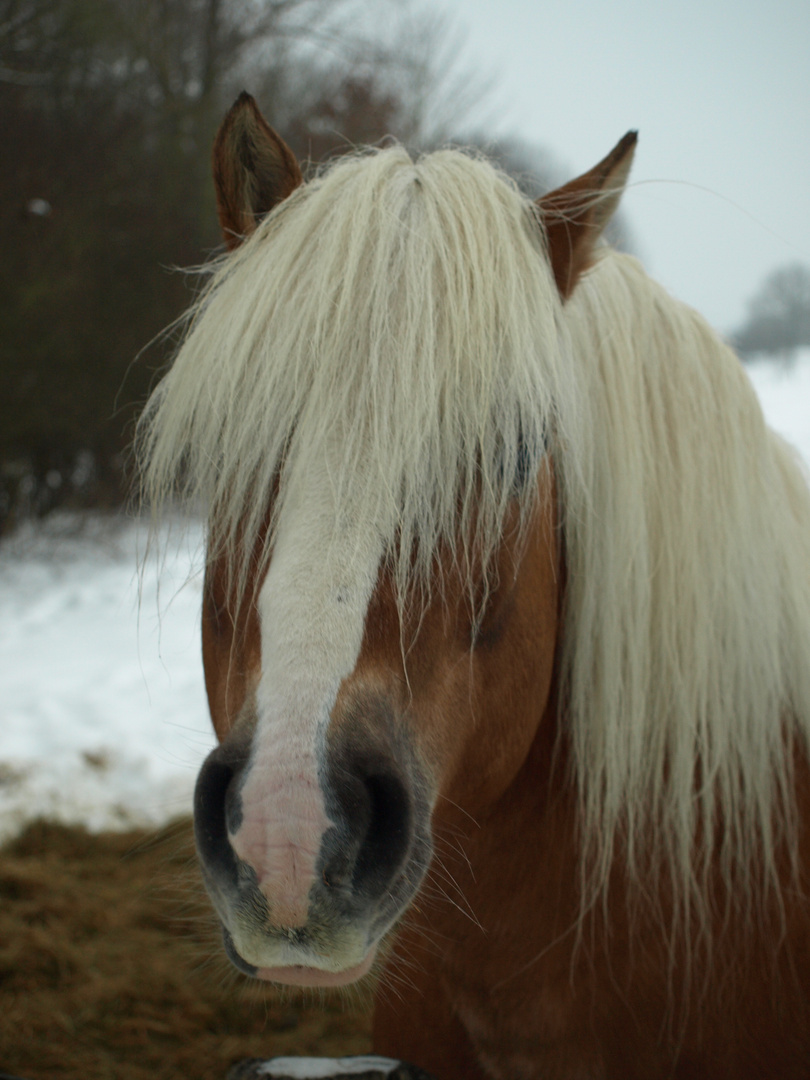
575 214
254 170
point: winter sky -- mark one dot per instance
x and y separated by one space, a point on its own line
720 93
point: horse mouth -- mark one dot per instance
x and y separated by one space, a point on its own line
299 974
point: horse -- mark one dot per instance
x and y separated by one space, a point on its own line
505 624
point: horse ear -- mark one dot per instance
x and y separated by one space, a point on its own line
254 170
575 214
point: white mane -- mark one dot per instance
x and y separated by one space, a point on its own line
688 627
401 310
407 312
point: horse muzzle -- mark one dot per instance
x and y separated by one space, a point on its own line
329 868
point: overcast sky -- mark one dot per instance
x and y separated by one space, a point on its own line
719 91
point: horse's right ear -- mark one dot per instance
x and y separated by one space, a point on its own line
575 214
254 170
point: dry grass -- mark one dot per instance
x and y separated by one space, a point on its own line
111 968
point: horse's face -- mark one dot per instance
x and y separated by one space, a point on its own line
350 723
346 730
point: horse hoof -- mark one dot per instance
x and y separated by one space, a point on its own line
316 1068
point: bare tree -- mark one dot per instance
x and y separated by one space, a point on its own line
397 69
778 321
108 109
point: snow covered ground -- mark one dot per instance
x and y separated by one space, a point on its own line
103 716
102 706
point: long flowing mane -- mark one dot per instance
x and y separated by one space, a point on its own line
688 626
406 313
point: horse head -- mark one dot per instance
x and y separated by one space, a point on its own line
353 719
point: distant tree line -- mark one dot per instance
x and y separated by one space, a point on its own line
777 324
107 114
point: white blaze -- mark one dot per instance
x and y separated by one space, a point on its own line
312 610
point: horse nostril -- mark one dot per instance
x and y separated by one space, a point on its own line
373 840
217 808
386 841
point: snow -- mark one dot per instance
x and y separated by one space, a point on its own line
103 717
